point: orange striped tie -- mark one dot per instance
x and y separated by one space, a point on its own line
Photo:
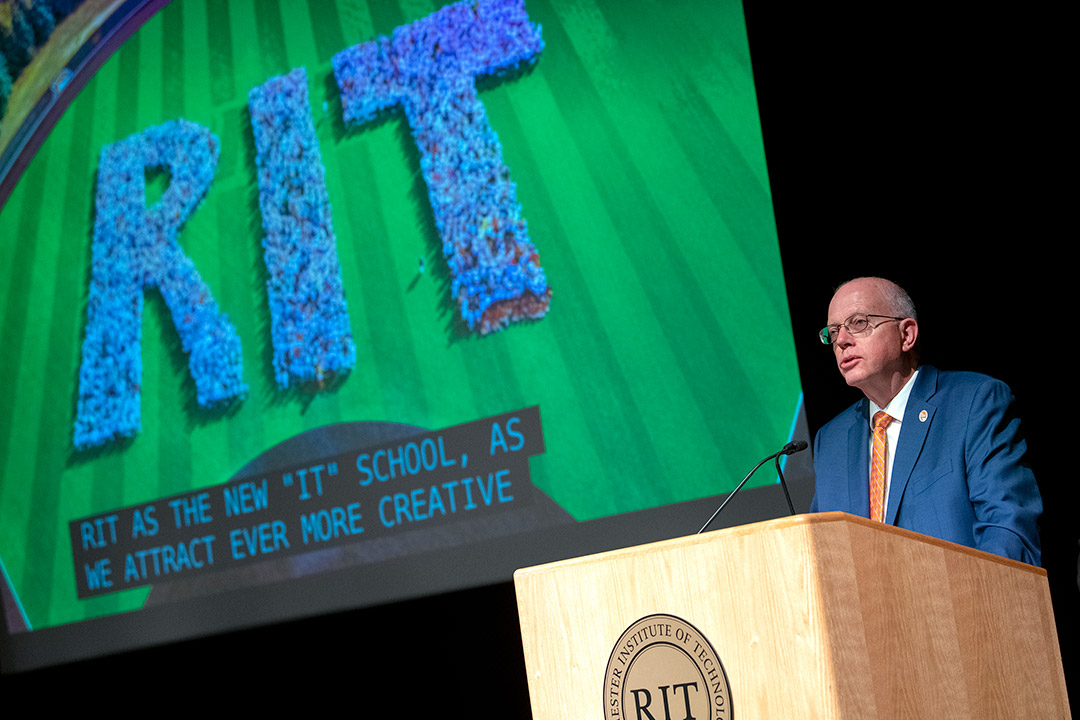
877 466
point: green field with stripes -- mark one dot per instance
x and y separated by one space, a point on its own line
664 369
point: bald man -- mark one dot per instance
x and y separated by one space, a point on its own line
936 452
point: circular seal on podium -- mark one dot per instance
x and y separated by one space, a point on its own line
664 668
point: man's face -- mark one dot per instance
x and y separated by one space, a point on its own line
870 361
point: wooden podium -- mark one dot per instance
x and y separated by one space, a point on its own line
812 616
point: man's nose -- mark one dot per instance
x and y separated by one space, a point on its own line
843 337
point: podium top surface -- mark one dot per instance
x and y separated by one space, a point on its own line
813 521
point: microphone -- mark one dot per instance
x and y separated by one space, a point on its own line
790 449
793 447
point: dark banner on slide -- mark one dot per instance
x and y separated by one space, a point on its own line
480 467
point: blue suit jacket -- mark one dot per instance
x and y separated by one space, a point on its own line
959 471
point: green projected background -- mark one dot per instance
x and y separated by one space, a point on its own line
665 363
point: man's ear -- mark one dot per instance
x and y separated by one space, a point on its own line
909 332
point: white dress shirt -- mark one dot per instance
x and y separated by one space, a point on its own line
895 409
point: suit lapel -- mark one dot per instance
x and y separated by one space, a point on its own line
859 461
913 433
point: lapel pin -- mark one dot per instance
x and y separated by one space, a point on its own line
922 416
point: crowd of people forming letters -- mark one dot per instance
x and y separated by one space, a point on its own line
430 68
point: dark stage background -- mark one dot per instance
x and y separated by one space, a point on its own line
918 147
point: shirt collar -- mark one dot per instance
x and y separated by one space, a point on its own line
896 406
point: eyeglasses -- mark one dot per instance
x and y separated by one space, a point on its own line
857 324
